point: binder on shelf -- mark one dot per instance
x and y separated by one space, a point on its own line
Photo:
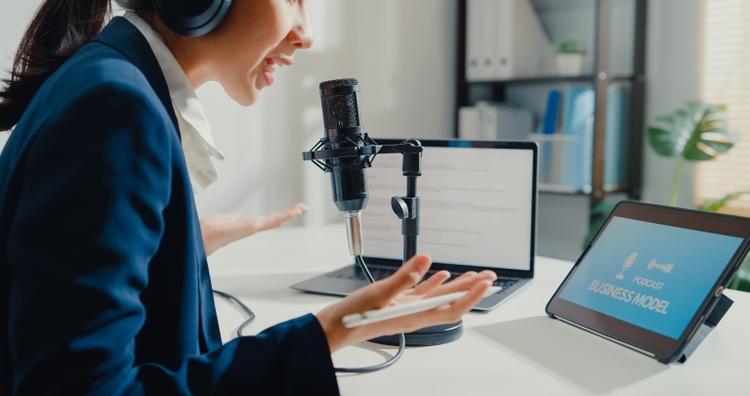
468 123
551 142
479 40
616 145
505 40
552 113
494 121
578 122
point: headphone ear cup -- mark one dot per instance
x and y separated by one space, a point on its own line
192 17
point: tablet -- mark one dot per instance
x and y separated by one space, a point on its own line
651 276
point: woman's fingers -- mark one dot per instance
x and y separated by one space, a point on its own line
374 296
452 312
222 229
385 290
463 282
467 302
465 275
432 282
274 220
447 313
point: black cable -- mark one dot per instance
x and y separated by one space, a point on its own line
248 311
360 370
401 337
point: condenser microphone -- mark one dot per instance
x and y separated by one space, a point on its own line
347 152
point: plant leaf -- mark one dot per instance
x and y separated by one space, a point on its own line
699 132
717 204
721 147
663 142
694 153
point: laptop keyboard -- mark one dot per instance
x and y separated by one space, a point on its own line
381 272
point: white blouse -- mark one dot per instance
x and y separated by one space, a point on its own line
197 142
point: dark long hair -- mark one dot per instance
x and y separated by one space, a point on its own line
58 30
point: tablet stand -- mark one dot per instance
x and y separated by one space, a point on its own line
721 308
406 208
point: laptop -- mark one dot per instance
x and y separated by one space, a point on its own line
477 212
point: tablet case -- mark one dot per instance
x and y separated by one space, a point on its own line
721 308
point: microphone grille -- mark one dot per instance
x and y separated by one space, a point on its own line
342 82
340 110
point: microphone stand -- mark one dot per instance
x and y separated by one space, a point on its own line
406 208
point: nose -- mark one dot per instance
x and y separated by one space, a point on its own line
301 35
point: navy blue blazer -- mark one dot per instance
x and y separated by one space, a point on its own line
104 284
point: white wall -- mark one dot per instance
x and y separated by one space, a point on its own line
14 16
402 52
672 69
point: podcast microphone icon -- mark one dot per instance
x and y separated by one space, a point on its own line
627 264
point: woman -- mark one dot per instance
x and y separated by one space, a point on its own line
105 287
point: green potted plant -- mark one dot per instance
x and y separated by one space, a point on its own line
569 56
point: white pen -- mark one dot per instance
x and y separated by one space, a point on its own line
396 311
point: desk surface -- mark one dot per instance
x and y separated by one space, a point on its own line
515 349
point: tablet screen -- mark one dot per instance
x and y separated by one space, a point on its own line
653 276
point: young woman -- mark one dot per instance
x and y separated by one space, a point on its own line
104 285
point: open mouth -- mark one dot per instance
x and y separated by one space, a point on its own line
271 65
269 68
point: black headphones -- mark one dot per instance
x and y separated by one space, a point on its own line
192 17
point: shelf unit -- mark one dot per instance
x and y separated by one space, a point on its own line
600 78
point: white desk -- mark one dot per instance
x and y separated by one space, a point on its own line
514 350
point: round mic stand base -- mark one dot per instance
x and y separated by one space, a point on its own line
406 208
433 335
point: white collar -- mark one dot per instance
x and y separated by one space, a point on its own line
197 142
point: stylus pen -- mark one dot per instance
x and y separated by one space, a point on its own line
396 311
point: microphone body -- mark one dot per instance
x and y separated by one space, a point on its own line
344 135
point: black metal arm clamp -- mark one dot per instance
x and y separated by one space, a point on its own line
405 207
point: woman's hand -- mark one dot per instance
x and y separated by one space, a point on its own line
222 229
399 289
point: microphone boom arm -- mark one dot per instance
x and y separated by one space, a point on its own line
405 207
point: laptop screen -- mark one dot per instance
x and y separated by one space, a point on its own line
477 204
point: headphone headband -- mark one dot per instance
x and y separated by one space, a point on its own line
192 17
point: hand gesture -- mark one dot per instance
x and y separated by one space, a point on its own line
399 289
222 229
